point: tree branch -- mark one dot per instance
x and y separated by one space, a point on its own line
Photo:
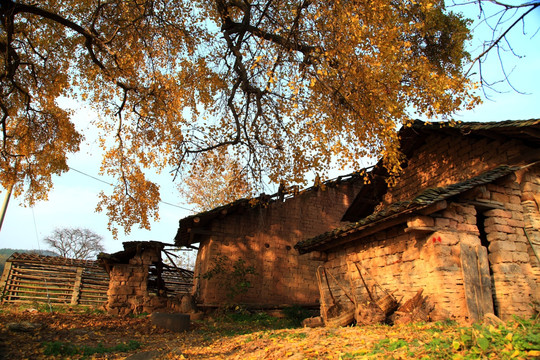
503 35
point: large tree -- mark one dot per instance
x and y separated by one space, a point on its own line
75 243
285 88
214 181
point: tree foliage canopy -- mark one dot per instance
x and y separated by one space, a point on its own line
214 181
285 88
75 243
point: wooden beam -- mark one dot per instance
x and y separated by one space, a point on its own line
362 233
483 204
433 208
425 229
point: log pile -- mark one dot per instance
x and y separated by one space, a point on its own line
413 310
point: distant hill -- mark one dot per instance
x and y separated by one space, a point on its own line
6 253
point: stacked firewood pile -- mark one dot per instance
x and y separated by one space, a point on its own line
364 301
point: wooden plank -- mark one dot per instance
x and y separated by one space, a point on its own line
426 229
53 283
22 286
77 287
42 295
45 271
477 281
43 279
3 280
485 280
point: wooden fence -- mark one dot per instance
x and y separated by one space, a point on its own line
36 278
54 280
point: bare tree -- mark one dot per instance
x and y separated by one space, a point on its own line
75 243
500 18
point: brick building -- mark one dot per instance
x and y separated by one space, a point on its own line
462 223
260 234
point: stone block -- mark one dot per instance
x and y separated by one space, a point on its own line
496 246
410 255
442 222
514 207
499 213
514 199
470 219
473 229
515 223
506 268
496 220
393 259
468 210
495 188
495 196
500 228
420 221
500 257
469 239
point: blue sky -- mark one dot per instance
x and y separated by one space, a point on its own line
74 197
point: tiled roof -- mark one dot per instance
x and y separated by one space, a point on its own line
426 198
477 126
527 131
412 137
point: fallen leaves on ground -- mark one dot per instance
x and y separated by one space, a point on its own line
83 335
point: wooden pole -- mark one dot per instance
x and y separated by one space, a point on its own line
77 287
5 205
3 280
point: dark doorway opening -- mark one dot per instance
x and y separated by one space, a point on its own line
480 224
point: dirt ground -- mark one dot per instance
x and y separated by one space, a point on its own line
70 334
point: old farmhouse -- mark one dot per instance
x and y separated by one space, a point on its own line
460 224
260 234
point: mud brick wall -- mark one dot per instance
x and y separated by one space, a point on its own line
515 284
128 291
530 201
404 262
445 160
264 237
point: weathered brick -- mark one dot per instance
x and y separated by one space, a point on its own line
500 197
499 213
442 222
520 257
516 223
496 221
468 228
496 246
500 257
420 221
500 228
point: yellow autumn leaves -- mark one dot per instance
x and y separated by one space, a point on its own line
283 89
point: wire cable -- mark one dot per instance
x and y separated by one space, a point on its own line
108 183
